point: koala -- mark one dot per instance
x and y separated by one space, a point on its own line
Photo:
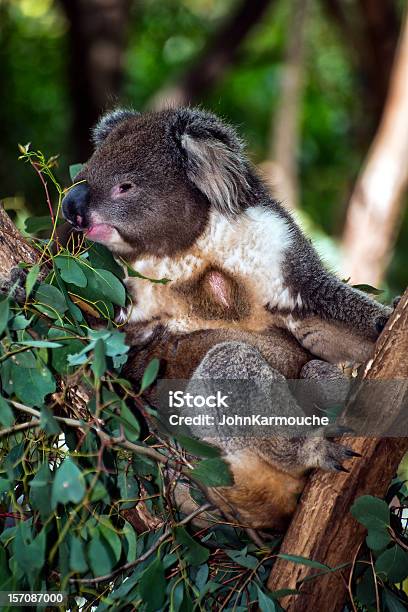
173 194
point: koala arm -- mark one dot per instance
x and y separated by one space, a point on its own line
335 321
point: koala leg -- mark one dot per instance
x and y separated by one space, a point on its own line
269 473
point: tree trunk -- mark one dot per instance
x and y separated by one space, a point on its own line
282 170
370 31
323 528
13 248
375 207
213 63
97 39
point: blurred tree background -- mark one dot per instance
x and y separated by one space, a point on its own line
305 82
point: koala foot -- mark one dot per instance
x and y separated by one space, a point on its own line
326 455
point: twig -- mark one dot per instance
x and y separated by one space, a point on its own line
44 182
147 554
19 427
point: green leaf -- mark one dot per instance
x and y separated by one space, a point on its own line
110 287
6 413
242 558
40 494
129 422
77 560
134 274
266 604
68 485
39 343
109 534
48 422
150 374
128 486
195 553
70 271
51 296
392 564
213 473
32 225
99 362
31 279
4 314
130 537
59 357
371 512
29 552
99 558
303 561
368 289
152 586
377 539
365 589
74 170
197 447
31 384
100 257
391 603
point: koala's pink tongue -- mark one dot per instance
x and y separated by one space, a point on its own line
99 232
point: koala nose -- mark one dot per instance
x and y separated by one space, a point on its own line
75 205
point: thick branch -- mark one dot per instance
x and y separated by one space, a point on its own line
323 528
13 248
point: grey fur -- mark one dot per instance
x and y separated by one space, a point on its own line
237 360
108 121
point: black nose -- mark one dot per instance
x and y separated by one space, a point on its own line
75 205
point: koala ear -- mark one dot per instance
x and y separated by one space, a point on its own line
109 121
214 159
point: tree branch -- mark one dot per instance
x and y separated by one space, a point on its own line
323 528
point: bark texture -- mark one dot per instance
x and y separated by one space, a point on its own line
323 528
13 248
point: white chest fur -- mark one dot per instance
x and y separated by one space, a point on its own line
250 247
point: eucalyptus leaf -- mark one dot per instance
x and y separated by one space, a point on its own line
68 485
150 374
6 413
31 279
195 553
4 314
71 271
212 473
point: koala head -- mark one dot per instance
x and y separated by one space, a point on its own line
154 178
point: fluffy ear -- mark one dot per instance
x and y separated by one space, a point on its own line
214 159
108 121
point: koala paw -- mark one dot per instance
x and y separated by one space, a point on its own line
326 455
332 455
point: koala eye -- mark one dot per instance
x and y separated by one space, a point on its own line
124 187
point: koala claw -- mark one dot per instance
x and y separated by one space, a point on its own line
396 301
380 323
326 455
351 453
340 468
